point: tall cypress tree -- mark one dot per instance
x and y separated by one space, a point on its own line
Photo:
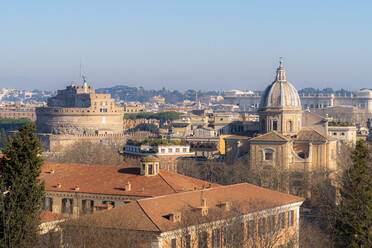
21 190
354 216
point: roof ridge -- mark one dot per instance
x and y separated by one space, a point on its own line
212 189
193 191
148 216
271 132
315 131
161 176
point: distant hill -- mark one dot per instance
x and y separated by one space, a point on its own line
127 93
325 91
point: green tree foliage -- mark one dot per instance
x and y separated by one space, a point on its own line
14 124
353 223
128 94
21 190
145 127
3 139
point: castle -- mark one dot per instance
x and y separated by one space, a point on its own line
78 113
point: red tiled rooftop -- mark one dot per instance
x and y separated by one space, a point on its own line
47 216
149 214
111 180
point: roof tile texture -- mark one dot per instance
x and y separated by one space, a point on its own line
149 214
111 180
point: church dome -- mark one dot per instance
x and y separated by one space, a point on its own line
281 93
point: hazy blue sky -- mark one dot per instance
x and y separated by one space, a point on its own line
185 44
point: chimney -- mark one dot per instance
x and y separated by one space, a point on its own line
175 217
203 202
128 186
204 207
226 205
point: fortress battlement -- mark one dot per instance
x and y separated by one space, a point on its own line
74 110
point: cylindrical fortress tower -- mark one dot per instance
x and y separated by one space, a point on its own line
78 110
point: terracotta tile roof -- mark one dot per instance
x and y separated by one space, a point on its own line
47 216
111 180
150 214
308 134
271 136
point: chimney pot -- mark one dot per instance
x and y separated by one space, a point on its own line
128 186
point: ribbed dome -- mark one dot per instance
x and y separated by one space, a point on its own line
281 93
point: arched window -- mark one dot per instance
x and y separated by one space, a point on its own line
275 125
289 126
268 154
301 155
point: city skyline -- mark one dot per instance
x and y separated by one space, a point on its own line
210 45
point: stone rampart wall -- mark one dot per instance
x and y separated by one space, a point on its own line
77 121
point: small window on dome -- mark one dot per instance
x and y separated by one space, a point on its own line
289 126
275 125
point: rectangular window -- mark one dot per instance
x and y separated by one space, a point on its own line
88 206
290 218
162 150
48 204
67 205
228 236
188 241
184 149
177 149
150 169
281 220
174 243
203 240
271 223
262 226
251 229
275 125
238 238
216 238
269 155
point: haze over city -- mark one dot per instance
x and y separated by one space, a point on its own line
180 45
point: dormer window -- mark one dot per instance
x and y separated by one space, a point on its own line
149 166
